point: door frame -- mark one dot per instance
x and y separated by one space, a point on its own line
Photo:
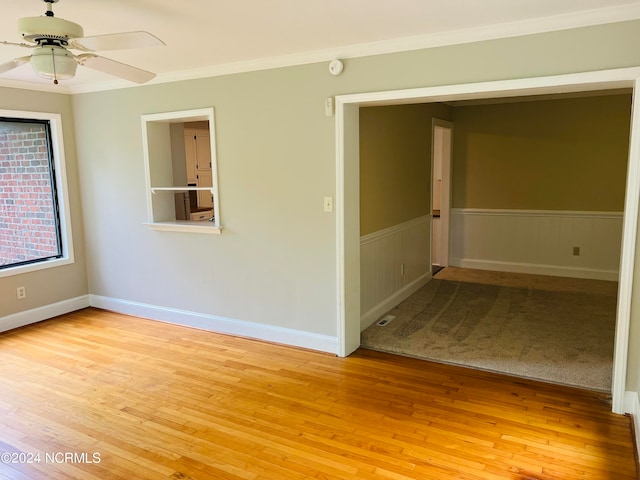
348 203
445 208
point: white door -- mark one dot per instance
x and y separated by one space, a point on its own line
442 132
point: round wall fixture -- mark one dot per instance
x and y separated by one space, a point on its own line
336 67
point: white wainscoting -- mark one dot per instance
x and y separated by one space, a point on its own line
394 263
537 241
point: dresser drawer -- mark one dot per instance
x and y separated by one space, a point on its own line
201 215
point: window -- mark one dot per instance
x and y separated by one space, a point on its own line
182 180
34 232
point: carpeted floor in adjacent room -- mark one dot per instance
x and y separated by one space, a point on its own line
548 328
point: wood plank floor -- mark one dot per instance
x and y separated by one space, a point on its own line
98 395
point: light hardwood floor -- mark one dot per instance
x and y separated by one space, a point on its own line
152 401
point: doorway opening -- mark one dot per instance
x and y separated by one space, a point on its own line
521 207
441 150
347 202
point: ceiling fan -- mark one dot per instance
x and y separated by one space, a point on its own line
51 38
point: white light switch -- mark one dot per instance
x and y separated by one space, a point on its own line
328 204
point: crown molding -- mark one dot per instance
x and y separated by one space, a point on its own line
553 23
33 86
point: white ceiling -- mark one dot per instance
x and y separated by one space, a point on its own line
212 37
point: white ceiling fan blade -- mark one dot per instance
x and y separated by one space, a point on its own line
15 63
115 68
13 44
116 41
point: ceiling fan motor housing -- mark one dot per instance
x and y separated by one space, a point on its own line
38 29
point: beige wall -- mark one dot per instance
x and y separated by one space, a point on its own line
395 163
565 154
52 285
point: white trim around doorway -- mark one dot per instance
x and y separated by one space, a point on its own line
348 205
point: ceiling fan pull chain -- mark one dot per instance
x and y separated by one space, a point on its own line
55 75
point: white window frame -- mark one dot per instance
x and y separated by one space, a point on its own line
62 191
184 116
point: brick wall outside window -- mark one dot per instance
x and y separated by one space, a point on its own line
28 226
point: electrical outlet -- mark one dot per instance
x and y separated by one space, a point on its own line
576 251
21 292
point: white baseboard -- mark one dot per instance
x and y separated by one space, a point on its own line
388 303
286 336
632 406
21 319
258 331
531 268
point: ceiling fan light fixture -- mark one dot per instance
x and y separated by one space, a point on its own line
53 62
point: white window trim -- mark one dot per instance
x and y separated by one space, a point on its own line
66 236
203 114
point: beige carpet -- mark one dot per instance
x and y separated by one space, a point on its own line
560 331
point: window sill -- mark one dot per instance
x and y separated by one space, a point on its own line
155 190
32 267
186 226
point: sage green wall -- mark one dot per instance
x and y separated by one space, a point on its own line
52 285
563 154
395 163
